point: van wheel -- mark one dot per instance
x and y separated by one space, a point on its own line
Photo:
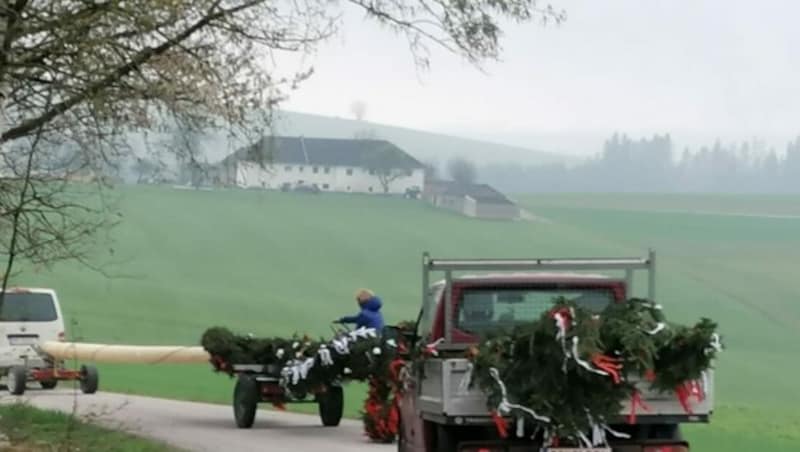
89 379
49 384
17 380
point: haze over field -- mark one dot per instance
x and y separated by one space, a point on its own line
700 71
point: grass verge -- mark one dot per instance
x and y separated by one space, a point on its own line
29 429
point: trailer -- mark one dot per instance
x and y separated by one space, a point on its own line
256 383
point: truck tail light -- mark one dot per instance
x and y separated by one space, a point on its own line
667 448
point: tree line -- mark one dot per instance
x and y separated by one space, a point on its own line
652 165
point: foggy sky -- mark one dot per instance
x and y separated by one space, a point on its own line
700 70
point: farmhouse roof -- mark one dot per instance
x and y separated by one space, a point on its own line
483 193
323 152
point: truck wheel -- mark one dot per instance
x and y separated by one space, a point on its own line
445 439
48 384
245 401
90 379
17 380
331 406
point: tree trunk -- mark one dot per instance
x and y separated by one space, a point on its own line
4 12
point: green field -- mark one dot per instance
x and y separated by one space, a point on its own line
275 264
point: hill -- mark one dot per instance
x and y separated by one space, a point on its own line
425 146
274 264
213 146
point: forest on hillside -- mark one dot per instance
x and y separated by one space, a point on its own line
651 165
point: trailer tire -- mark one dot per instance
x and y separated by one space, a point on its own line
331 406
48 384
245 401
446 440
17 380
90 379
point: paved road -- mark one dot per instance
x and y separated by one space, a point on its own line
206 427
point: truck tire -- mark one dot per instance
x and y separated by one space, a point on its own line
446 440
245 401
90 379
17 380
48 384
331 406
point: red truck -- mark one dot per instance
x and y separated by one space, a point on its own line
437 415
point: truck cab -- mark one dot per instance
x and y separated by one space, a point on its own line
439 414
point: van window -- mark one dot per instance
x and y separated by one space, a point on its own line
28 307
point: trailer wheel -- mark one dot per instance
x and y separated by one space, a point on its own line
445 439
245 401
48 384
90 379
331 406
17 380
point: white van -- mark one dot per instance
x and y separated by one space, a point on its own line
27 318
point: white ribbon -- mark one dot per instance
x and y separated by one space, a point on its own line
432 346
583 363
585 441
325 356
716 343
561 336
362 333
342 346
599 432
297 370
520 427
505 406
660 327
391 343
466 380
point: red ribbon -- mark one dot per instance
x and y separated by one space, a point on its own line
683 392
501 424
565 313
686 390
610 365
636 400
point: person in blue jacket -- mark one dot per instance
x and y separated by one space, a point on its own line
370 315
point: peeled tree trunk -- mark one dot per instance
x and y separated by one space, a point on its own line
126 354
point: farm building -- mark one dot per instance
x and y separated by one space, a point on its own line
472 200
336 165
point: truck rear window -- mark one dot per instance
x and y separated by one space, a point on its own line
28 307
484 310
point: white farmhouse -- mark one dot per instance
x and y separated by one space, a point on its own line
336 165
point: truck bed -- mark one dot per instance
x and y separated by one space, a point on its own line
441 398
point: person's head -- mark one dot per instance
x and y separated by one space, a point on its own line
364 295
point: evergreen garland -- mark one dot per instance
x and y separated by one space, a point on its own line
571 370
306 365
